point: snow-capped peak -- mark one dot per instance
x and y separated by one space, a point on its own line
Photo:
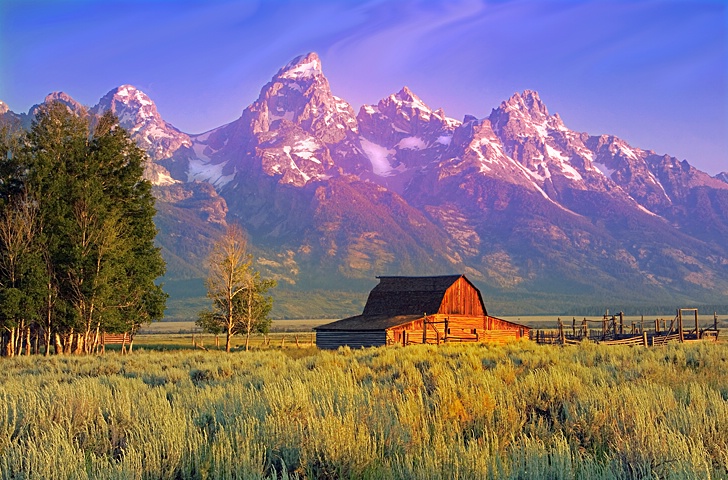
407 98
128 97
138 114
304 66
528 101
131 93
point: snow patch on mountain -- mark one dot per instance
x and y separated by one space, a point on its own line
205 171
563 162
629 152
305 149
378 156
444 139
647 211
606 171
302 67
412 143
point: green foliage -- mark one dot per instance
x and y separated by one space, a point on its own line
92 245
454 411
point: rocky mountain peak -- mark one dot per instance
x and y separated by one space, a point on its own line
408 96
3 108
723 176
302 67
138 114
295 132
65 99
300 93
525 115
526 105
132 106
532 101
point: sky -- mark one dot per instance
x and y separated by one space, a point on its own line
654 73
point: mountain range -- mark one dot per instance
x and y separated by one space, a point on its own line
541 217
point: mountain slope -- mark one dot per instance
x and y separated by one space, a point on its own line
531 210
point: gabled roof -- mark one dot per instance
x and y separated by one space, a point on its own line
408 295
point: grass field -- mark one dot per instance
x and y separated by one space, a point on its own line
519 411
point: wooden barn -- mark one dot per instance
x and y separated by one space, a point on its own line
410 310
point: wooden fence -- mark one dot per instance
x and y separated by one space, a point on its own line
613 331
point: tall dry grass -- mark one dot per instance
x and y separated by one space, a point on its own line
454 411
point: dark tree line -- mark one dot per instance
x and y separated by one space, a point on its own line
77 254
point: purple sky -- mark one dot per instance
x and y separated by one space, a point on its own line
652 72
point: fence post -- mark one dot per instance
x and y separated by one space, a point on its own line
644 338
680 326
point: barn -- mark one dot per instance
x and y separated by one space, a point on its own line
411 310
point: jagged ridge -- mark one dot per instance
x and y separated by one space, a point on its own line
517 199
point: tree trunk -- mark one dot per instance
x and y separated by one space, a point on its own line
27 341
97 339
11 343
228 337
19 338
9 347
68 342
60 348
80 345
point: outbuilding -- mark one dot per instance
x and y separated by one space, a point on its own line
412 310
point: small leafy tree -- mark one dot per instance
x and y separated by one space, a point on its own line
255 306
21 289
239 304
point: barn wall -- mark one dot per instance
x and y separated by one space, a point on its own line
332 339
458 328
461 298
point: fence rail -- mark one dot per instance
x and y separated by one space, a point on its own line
614 331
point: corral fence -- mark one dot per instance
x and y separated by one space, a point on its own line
612 330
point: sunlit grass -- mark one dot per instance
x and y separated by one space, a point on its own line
453 411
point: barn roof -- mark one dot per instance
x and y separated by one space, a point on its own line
408 295
398 300
365 323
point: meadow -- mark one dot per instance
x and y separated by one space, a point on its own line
454 411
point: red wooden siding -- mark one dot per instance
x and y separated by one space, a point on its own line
456 328
462 298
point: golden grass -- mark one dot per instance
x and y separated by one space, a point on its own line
477 411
